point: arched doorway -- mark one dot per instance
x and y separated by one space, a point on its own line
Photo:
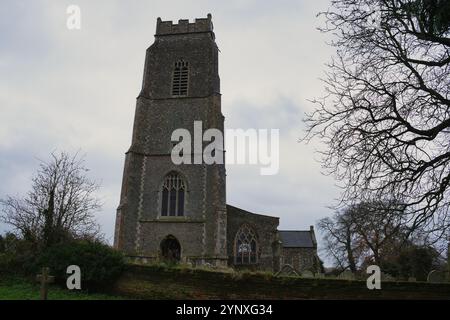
170 249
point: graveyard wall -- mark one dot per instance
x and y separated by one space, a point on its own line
156 282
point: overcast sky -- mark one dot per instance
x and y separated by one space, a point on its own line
75 90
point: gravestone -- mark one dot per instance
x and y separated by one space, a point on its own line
44 279
346 275
287 270
307 274
387 277
436 276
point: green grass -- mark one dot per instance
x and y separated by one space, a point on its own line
21 289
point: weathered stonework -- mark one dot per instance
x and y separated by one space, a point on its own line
140 228
266 231
302 259
206 231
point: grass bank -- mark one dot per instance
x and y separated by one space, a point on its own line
16 288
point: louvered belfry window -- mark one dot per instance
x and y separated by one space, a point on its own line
180 79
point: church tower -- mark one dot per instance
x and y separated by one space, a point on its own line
169 211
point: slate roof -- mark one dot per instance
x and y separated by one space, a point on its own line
296 239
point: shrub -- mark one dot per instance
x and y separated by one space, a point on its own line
17 256
100 265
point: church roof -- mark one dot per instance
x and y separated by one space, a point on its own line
234 209
297 239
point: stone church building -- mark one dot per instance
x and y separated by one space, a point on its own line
179 212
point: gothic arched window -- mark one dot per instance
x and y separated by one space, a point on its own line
245 246
173 194
180 78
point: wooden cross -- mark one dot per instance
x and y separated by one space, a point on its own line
44 278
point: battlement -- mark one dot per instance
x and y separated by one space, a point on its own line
183 26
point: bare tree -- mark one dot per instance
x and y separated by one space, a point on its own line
386 117
364 232
340 241
61 203
379 228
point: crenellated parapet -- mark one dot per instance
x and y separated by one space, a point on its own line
184 26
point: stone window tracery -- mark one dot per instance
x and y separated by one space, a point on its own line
173 195
245 246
